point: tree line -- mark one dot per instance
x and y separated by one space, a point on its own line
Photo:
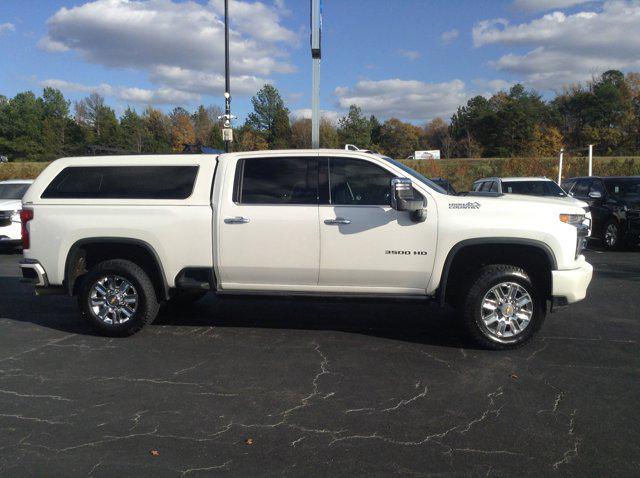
519 122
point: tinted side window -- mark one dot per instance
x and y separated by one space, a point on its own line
567 185
581 188
278 181
486 186
476 186
494 187
123 182
358 182
597 186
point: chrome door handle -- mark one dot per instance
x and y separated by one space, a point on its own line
236 220
337 221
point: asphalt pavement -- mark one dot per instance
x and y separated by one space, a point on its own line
311 388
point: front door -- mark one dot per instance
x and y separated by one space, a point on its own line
366 246
268 226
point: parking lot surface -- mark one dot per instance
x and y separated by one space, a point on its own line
299 388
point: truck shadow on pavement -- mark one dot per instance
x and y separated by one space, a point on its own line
415 322
405 321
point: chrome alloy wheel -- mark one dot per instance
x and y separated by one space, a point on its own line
506 310
611 235
113 300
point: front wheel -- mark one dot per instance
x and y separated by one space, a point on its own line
503 309
118 298
612 234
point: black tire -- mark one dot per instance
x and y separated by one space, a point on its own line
487 278
611 235
147 304
186 298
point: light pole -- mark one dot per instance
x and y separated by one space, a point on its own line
227 130
316 32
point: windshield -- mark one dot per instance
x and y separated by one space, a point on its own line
624 188
415 174
13 191
533 188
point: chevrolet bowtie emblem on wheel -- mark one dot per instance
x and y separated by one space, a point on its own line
464 205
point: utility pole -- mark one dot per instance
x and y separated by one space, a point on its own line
316 55
227 130
590 160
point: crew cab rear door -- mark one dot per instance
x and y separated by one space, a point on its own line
365 245
268 237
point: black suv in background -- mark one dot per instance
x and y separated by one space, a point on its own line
615 206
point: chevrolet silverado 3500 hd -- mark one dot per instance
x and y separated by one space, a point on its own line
124 234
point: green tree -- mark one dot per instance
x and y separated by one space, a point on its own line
355 128
270 117
376 131
21 127
133 131
55 121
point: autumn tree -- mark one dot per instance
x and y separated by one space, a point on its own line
182 132
158 131
399 139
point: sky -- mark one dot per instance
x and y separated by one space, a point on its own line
411 59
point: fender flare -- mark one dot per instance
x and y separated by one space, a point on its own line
442 288
74 250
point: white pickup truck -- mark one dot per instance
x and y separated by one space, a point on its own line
125 234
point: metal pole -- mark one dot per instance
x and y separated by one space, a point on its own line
227 85
590 160
560 166
316 55
315 105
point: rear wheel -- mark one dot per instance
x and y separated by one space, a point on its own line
503 309
118 298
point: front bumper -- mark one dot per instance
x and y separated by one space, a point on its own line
571 285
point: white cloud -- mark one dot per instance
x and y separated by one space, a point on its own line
489 87
404 99
544 5
7 27
449 35
180 45
305 113
567 48
410 54
162 95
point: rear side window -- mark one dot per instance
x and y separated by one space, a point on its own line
123 182
284 181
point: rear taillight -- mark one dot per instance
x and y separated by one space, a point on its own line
26 215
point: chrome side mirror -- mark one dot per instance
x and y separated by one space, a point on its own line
403 198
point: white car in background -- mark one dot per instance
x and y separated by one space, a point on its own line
11 193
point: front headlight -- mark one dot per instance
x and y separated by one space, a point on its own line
572 219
